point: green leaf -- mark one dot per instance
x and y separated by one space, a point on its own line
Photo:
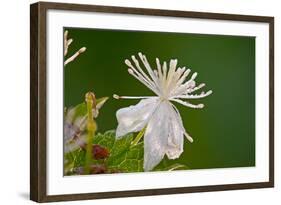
126 157
106 140
74 159
79 159
123 156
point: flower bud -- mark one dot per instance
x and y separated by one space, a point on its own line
99 152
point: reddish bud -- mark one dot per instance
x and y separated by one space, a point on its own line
100 152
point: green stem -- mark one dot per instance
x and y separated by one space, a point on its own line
138 137
91 128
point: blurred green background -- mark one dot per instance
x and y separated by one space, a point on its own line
223 132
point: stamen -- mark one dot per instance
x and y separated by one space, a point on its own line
179 72
149 70
69 41
191 90
160 76
135 73
70 59
199 106
164 70
159 68
171 72
117 97
128 63
188 137
202 95
130 71
183 89
197 88
140 77
179 88
149 81
191 84
65 43
156 73
172 68
183 77
172 82
194 76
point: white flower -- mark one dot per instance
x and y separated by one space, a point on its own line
164 127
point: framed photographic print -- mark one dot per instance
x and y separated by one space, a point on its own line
133 102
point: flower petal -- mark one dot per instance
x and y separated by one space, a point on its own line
156 137
176 134
135 118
